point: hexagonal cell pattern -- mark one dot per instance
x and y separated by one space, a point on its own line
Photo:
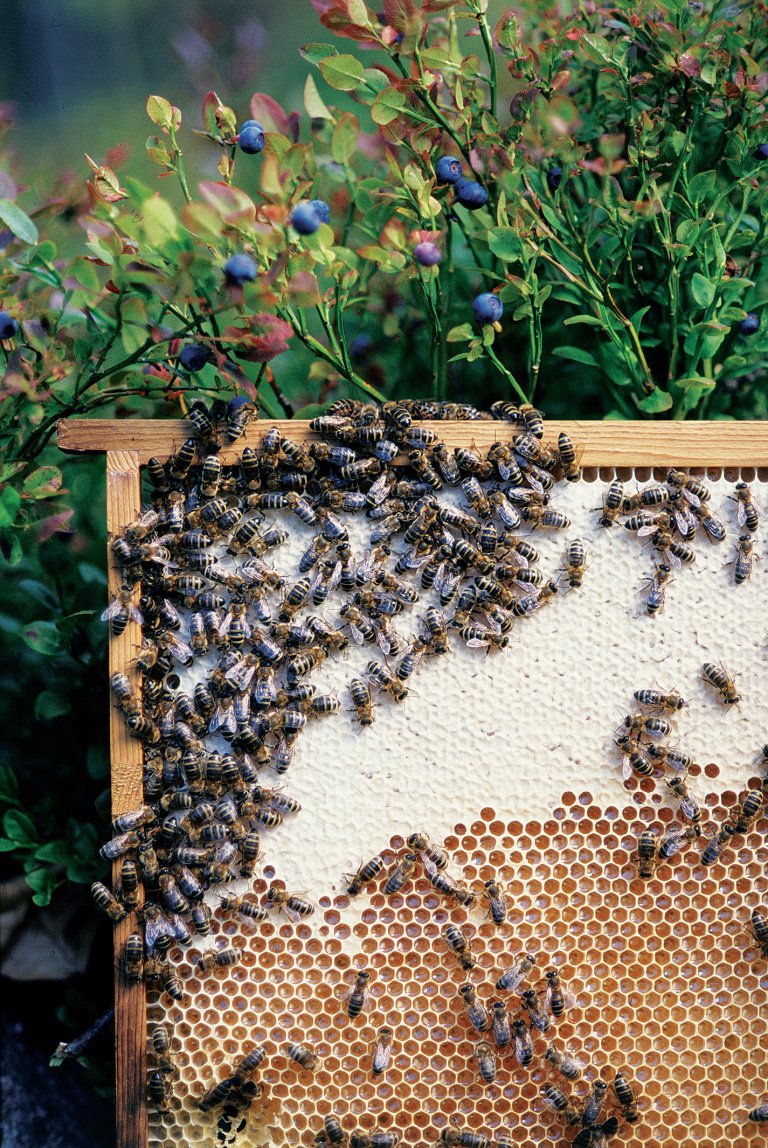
668 984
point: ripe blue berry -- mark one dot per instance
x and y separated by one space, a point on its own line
448 169
305 219
761 151
554 175
8 325
322 209
750 323
239 269
194 356
427 254
471 194
487 308
251 137
360 348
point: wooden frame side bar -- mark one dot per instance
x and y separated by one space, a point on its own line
610 443
123 506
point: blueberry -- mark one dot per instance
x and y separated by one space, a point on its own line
252 124
471 194
235 403
194 356
322 209
360 348
487 308
427 254
8 325
251 138
761 151
554 175
239 269
750 323
448 169
305 219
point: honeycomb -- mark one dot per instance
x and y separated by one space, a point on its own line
667 979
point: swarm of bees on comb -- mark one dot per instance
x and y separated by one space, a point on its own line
196 573
672 515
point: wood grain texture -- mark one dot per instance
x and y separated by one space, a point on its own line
123 505
620 444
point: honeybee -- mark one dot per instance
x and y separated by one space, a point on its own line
381 674
718 677
361 699
382 1052
644 724
689 484
595 1102
497 902
401 873
759 1114
612 503
658 700
500 1024
293 906
747 512
673 841
160 1044
133 959
760 930
657 588
713 527
129 884
159 1091
559 1102
749 810
626 1098
647 854
217 1094
122 610
436 630
304 1056
742 563
107 902
379 1139
514 976
367 872
558 998
434 854
477 637
358 997
633 758
544 516
689 806
134 819
575 563
714 847
530 1003
568 458
115 848
250 911
478 1017
486 1061
459 945
463 1138
220 958
523 1043
597 1135
565 1064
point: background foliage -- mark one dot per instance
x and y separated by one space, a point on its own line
625 232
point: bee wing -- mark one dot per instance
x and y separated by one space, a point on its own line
179 649
384 642
689 496
477 643
379 489
672 842
645 531
689 807
226 622
429 865
357 635
741 513
335 577
509 980
113 609
626 767
381 1057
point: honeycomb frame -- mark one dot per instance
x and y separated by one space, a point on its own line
584 904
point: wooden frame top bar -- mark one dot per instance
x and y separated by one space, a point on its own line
609 443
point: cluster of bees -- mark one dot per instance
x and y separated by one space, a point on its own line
195 572
671 515
642 739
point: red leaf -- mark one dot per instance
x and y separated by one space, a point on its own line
264 337
402 15
117 155
269 113
689 65
210 103
55 523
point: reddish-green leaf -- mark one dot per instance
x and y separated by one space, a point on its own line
344 73
43 482
269 113
345 137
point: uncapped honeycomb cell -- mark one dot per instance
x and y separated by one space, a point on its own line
665 979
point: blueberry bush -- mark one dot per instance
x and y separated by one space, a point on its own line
566 209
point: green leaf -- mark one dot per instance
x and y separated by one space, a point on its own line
6 845
160 111
42 637
314 103
677 141
583 320
702 290
577 354
598 48
9 783
57 852
344 73
702 185
43 482
460 333
10 548
656 402
10 501
18 221
505 243
387 106
20 827
315 52
345 137
43 881
50 705
159 220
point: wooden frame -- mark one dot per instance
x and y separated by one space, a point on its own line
129 444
